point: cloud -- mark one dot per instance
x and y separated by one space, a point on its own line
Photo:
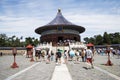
22 17
95 24
21 26
108 21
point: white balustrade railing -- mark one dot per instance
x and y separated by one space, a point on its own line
77 45
44 46
71 45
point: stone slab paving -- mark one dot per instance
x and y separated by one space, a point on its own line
79 71
101 60
61 72
20 72
7 60
41 71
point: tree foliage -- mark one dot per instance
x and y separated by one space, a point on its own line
16 41
112 38
5 41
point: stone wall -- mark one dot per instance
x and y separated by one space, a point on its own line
9 52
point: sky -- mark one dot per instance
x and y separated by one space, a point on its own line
22 17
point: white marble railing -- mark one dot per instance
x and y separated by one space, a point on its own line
77 45
71 45
44 46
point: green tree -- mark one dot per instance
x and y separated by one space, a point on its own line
31 40
98 39
106 38
28 40
86 39
112 38
36 42
17 42
3 39
12 41
92 40
116 38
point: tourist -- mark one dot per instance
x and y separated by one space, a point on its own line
98 51
58 56
83 55
89 56
77 55
56 59
36 55
72 54
65 56
1 53
68 54
48 56
43 55
118 53
52 55
102 52
113 52
94 51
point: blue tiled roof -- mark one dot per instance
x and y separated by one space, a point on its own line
59 20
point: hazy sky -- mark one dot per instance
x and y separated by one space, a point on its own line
22 17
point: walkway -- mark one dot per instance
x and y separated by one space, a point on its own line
61 72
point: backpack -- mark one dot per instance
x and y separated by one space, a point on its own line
59 54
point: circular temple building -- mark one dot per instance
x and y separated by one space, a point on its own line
59 30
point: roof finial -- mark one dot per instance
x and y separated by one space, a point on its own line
59 10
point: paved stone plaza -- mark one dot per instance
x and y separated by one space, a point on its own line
79 71
41 71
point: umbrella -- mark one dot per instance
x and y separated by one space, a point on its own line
90 45
29 46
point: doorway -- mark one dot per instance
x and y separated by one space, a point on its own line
60 39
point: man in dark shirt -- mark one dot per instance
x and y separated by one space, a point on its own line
58 56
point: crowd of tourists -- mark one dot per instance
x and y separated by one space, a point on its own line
77 55
102 51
